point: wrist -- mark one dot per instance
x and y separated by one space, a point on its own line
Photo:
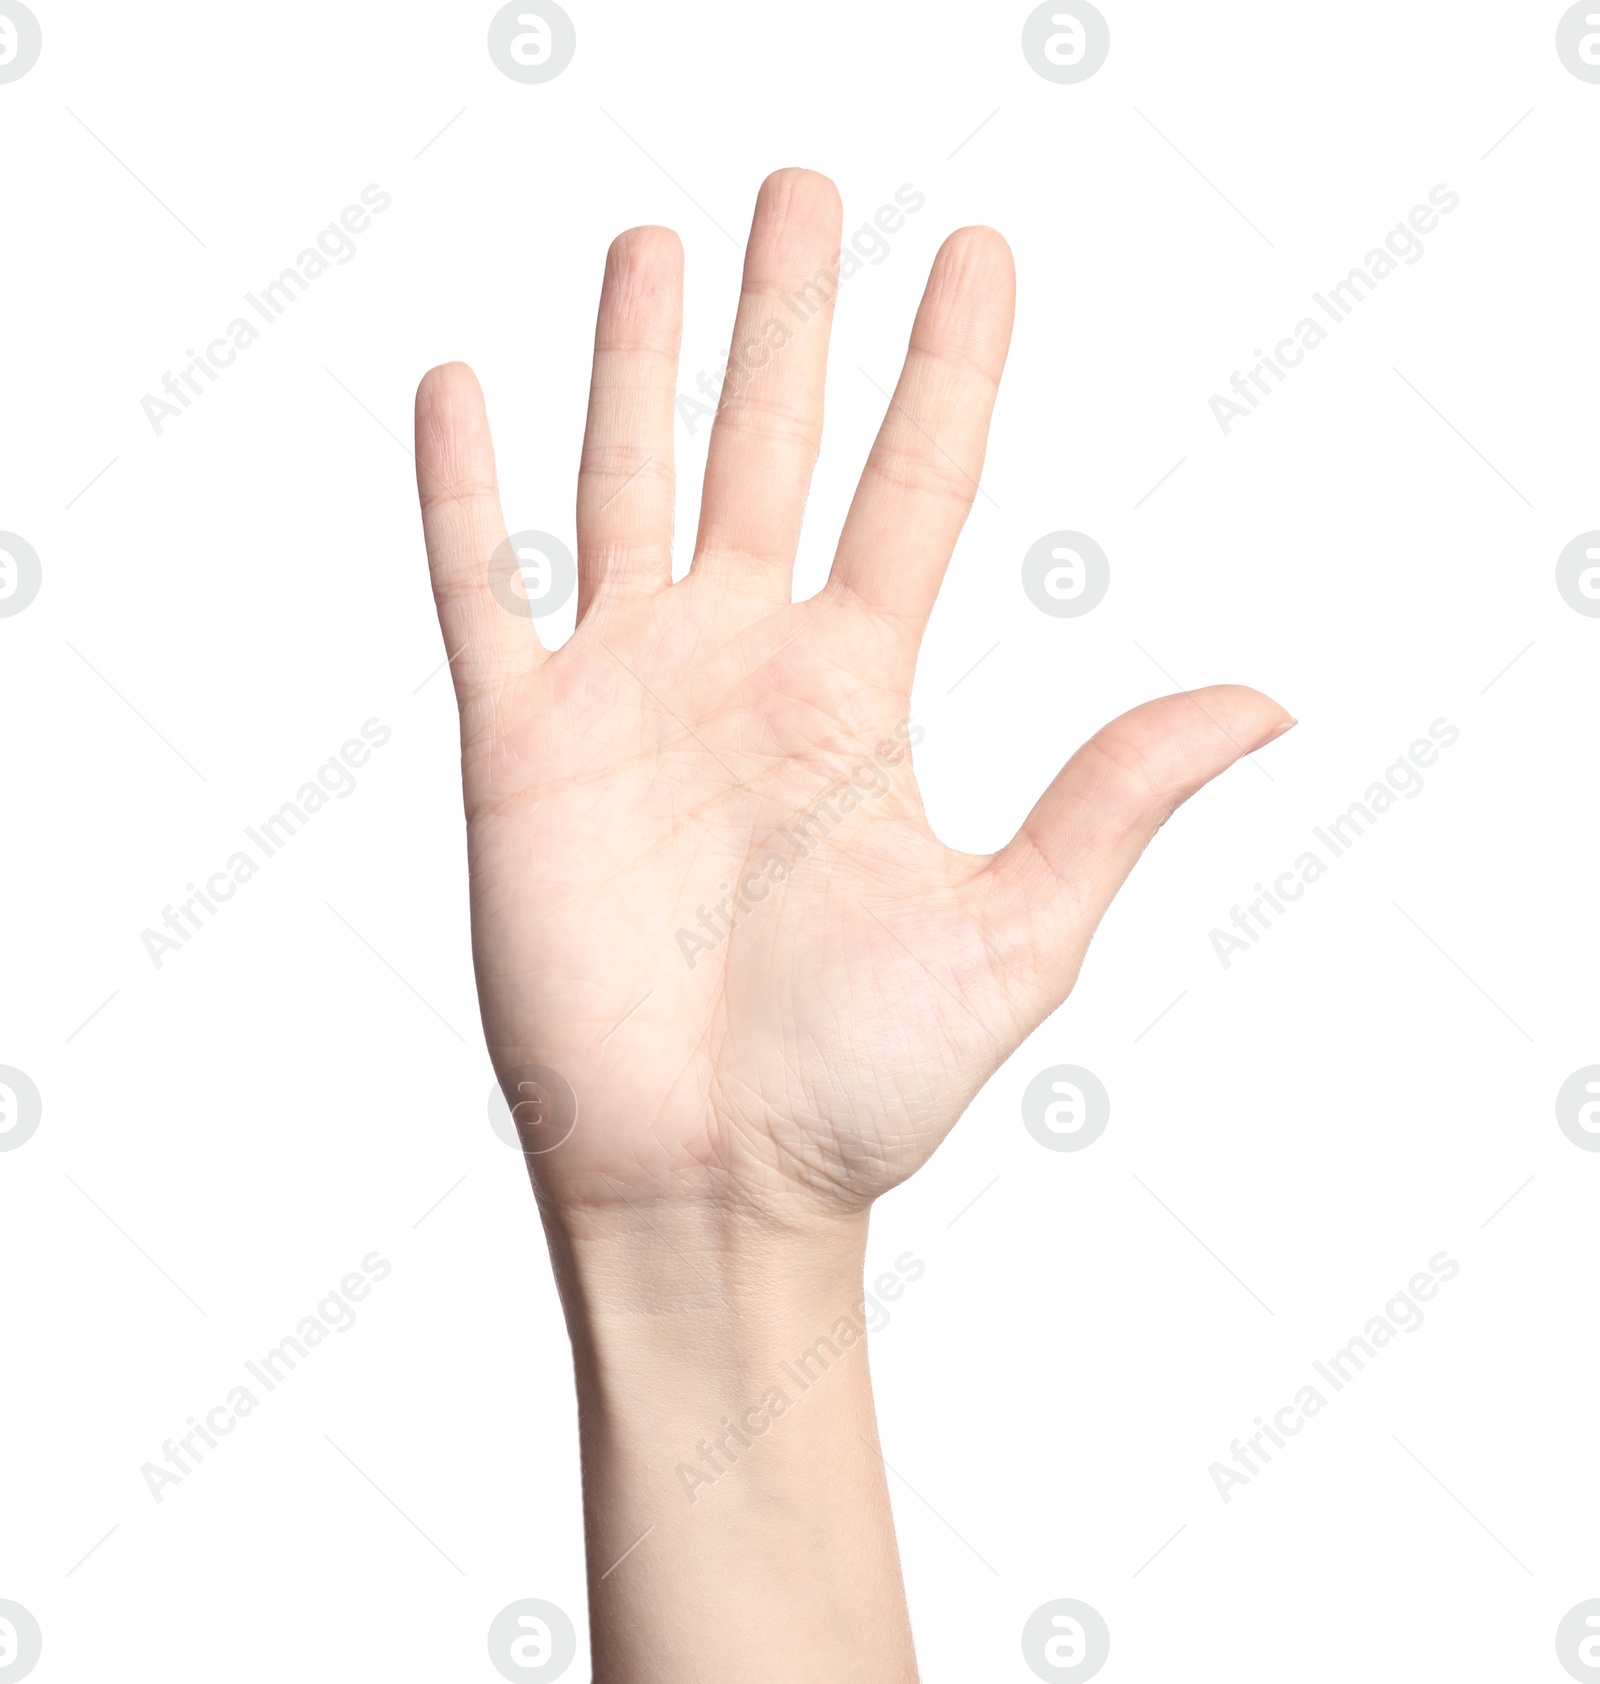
696 1331
642 1272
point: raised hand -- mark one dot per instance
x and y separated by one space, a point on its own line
699 814
708 913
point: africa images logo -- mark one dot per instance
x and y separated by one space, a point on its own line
20 44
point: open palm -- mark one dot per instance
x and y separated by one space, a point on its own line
704 892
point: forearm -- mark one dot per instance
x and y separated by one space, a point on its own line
736 1509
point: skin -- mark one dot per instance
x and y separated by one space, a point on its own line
707 1214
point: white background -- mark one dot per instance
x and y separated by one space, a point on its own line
1351 1097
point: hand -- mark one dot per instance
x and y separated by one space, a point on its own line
705 892
758 996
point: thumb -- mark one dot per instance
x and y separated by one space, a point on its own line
1049 887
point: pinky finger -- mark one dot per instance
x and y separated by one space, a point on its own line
487 641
